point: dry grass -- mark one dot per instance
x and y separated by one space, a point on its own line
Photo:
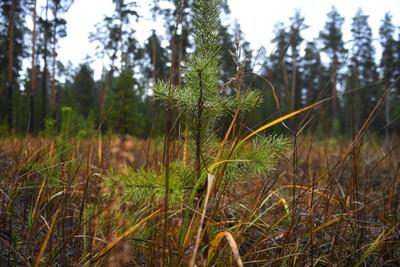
330 203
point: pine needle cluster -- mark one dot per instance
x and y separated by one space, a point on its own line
259 159
140 186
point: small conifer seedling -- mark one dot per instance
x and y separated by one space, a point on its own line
200 98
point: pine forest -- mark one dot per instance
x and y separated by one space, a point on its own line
176 142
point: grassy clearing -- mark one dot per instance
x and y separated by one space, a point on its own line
202 197
329 203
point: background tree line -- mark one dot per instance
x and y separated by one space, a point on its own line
296 73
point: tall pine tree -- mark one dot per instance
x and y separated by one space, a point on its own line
313 80
387 64
296 26
12 26
333 45
58 30
364 69
277 71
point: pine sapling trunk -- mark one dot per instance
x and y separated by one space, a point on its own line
200 106
176 62
185 156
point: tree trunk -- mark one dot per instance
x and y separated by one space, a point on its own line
2 78
386 83
294 74
154 58
102 99
33 74
333 92
53 72
10 73
44 75
387 115
153 47
386 86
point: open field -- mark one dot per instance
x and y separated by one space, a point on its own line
327 203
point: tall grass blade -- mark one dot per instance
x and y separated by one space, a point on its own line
232 243
210 181
374 245
114 242
47 238
279 120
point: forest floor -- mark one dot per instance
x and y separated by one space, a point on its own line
328 203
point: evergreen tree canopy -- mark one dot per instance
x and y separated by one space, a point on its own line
123 114
364 67
84 90
313 72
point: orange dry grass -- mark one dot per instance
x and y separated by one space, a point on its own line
330 202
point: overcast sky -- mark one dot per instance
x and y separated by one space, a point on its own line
256 17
